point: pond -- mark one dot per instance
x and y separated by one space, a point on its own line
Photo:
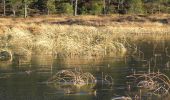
28 80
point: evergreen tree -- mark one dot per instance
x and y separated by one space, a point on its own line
75 7
41 5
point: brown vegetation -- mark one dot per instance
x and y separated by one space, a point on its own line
89 36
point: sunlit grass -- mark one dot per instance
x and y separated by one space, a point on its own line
38 35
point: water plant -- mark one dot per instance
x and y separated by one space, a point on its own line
156 83
76 78
6 55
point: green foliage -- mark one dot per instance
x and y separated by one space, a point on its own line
96 9
51 6
84 10
110 9
157 6
67 8
136 7
15 5
15 2
28 1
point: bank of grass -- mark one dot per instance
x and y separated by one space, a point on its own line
81 36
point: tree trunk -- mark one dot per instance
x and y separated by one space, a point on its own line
25 10
48 12
14 12
75 8
72 2
4 4
159 8
104 7
122 6
118 5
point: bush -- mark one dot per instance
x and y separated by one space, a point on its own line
67 8
136 7
111 9
83 10
96 9
51 6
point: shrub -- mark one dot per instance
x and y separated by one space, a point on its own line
96 9
136 7
67 8
51 6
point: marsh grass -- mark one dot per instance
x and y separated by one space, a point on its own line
41 35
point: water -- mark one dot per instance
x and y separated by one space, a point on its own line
26 80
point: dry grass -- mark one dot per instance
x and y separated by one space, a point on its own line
76 78
87 36
72 82
155 82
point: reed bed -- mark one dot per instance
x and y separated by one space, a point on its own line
38 35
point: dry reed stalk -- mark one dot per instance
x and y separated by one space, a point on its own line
157 83
76 78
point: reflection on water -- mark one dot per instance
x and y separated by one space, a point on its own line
27 79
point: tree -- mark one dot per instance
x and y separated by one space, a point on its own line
67 8
83 7
51 6
96 8
15 4
41 6
159 5
75 8
4 6
136 7
104 7
26 5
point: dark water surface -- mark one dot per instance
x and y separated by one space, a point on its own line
27 80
